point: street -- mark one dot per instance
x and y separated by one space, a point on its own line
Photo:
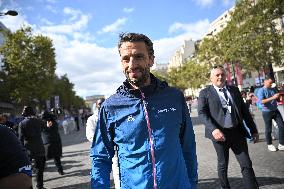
268 166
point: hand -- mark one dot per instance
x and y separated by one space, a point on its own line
276 96
49 123
255 137
218 135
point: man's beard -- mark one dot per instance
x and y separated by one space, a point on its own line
141 81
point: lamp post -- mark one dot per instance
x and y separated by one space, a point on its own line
9 12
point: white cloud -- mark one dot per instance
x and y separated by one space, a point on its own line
93 69
46 21
128 10
165 48
5 3
51 1
14 22
196 29
73 12
68 28
208 3
204 3
228 2
51 8
114 27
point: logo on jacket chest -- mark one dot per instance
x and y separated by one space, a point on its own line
130 118
166 110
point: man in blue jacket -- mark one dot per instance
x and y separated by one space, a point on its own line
148 123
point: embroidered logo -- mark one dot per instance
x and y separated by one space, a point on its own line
130 118
167 110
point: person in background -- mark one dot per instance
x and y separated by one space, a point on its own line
51 140
222 110
90 131
150 125
248 102
268 96
76 116
92 120
30 130
15 167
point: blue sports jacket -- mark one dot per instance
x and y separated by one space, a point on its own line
153 132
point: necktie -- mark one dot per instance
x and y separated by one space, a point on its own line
223 90
229 103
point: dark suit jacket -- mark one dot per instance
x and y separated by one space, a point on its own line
211 113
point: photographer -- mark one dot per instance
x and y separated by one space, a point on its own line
51 140
30 130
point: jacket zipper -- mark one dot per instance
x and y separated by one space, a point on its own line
151 141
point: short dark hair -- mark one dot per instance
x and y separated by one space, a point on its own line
136 37
28 111
218 66
100 101
268 78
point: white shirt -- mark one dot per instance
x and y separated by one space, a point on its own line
228 120
91 125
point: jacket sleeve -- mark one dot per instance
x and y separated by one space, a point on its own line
204 111
101 154
246 114
187 139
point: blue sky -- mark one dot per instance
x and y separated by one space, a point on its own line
85 32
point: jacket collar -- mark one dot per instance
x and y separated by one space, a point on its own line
126 89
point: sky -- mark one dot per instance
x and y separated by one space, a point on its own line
85 32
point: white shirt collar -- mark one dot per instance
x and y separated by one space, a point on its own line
217 88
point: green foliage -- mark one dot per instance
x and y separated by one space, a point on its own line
250 37
209 52
28 71
160 76
189 75
64 89
175 78
29 66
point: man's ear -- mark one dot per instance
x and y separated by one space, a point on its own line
151 62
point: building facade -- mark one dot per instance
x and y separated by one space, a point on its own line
183 54
91 100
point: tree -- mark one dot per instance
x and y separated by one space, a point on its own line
65 90
161 76
195 74
29 66
175 78
189 75
209 51
250 37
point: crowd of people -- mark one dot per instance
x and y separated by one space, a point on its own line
144 133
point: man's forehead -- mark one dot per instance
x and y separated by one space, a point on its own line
218 71
129 44
269 80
